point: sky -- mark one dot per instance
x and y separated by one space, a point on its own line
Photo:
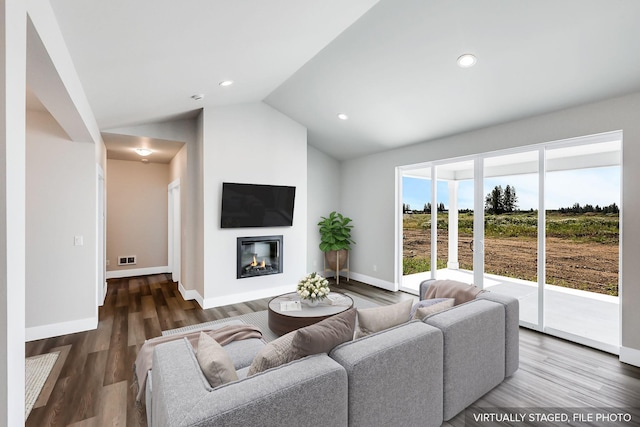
597 186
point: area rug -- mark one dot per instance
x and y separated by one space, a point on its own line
37 370
259 319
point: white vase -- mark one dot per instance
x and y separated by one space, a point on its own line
312 303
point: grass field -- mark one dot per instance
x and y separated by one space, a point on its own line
582 249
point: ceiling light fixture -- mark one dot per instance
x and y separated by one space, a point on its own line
343 116
197 97
226 83
143 151
467 60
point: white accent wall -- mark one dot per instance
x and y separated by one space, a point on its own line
369 189
60 205
251 143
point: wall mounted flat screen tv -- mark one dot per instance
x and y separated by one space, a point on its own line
255 205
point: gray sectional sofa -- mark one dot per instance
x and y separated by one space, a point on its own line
418 373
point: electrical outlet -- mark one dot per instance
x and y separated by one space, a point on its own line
108 262
127 260
78 241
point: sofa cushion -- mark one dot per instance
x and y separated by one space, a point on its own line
462 292
377 319
216 365
276 353
323 336
428 307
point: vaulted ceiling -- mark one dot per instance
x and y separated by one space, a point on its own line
390 65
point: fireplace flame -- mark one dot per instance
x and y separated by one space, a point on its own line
264 264
254 263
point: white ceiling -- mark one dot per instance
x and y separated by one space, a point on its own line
390 65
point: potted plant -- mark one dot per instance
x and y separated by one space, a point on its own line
335 239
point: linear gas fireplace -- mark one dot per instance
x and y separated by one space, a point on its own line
259 256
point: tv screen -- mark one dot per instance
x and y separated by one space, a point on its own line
255 205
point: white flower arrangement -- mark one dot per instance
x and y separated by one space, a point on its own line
313 287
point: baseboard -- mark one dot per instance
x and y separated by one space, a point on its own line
247 296
57 329
609 348
630 356
119 274
389 286
191 294
104 294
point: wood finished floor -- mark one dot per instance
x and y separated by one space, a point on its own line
91 384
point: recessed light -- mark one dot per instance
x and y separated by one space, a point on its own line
225 83
143 151
197 97
343 116
467 60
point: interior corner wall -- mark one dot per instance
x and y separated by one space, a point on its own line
251 143
323 172
137 215
60 205
369 188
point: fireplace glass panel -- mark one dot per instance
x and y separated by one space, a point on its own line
259 256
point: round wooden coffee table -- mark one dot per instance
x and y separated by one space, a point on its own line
282 320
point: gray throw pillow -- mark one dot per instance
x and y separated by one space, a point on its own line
215 363
276 353
323 336
427 303
428 310
377 319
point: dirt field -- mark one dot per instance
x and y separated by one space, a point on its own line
586 266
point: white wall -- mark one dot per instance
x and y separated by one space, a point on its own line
251 143
323 172
369 189
60 204
137 216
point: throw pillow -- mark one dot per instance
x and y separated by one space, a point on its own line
323 336
276 353
425 303
462 292
214 361
427 310
376 319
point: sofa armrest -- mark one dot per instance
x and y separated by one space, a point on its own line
182 396
512 328
474 350
395 376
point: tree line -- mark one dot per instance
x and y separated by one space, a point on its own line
426 209
505 200
576 208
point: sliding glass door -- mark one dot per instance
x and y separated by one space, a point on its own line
582 240
437 223
511 189
538 223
